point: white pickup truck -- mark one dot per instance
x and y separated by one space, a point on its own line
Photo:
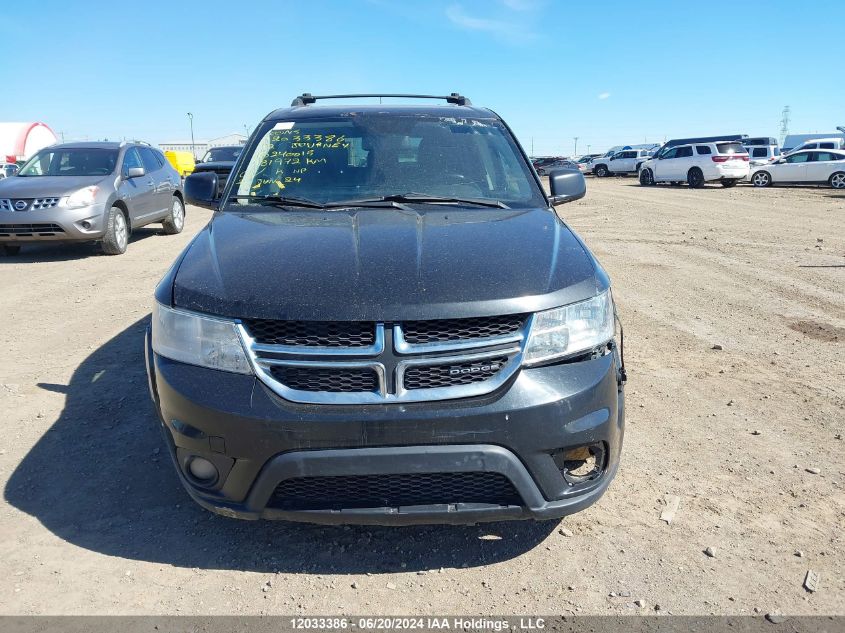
627 161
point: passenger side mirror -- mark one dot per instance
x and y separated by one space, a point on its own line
134 172
566 185
201 189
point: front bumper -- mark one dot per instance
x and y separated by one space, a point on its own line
257 441
56 224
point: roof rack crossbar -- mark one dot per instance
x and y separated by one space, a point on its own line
306 98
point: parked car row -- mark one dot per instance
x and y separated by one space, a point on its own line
728 159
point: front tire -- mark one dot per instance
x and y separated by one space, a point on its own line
11 249
175 220
116 238
646 177
601 171
729 183
761 179
837 180
695 178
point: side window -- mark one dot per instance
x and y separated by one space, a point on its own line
672 153
702 150
820 156
759 152
825 145
684 152
159 157
803 157
151 164
131 159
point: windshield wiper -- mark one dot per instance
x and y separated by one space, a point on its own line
295 201
282 201
424 198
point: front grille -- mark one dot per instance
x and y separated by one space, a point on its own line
379 491
28 230
36 204
444 330
43 203
433 376
366 362
332 380
312 333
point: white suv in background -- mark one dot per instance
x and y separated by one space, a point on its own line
698 163
625 162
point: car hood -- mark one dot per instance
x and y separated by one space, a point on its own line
45 186
384 264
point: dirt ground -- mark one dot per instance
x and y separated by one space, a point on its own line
749 437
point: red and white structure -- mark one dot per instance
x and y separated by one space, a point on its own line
19 141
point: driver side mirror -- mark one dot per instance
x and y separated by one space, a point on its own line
134 172
566 185
201 189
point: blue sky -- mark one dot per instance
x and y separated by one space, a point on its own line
608 72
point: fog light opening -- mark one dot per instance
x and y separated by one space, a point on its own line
581 464
203 470
86 224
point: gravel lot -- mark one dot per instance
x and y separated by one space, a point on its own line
749 437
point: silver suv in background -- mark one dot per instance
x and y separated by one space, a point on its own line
82 192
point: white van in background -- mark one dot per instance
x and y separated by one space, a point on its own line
832 142
798 142
761 149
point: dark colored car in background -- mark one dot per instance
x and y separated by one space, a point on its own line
219 160
385 321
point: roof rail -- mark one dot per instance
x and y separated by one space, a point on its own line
306 98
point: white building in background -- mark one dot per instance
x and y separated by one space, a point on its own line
22 140
199 148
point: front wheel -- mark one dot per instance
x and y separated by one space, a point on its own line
646 177
761 179
11 249
695 178
175 220
837 180
729 183
601 171
117 233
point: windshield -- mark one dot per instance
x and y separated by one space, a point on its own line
71 162
224 154
334 160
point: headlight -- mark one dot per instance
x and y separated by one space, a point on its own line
84 197
198 340
571 329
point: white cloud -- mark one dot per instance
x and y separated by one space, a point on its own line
500 28
604 95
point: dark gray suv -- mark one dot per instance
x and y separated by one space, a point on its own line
385 321
81 192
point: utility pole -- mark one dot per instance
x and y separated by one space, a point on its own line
575 153
193 145
246 129
784 124
588 149
532 146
